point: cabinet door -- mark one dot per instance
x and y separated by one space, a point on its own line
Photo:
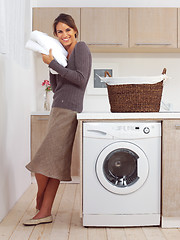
43 18
153 27
178 27
171 169
38 131
105 26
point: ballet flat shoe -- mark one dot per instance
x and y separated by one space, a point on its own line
33 222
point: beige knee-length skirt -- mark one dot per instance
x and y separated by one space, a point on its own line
53 158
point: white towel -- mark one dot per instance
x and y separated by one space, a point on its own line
133 80
34 46
41 42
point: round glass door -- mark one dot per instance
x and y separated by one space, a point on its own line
122 167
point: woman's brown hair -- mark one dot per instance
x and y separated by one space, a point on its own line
68 20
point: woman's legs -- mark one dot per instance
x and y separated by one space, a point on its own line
42 182
47 188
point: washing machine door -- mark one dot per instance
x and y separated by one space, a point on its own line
122 167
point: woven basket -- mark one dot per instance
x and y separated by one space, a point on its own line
135 97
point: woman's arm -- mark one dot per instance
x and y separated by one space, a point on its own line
80 75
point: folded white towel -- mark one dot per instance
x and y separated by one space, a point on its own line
34 46
41 42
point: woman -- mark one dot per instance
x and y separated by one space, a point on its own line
52 161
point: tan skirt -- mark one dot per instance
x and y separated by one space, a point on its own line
53 158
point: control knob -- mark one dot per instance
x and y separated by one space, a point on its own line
146 130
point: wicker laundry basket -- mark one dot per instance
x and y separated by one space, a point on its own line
135 97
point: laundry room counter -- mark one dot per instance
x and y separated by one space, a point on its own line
170 123
128 116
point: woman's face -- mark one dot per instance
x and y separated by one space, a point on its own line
65 34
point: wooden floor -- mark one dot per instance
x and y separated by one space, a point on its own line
67 223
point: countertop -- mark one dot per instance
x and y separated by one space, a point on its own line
108 115
41 113
125 116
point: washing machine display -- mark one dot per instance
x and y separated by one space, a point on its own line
121 176
122 167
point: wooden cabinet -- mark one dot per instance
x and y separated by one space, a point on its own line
119 29
178 27
171 169
153 27
43 18
39 125
38 131
102 27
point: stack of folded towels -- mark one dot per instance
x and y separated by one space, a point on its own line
41 42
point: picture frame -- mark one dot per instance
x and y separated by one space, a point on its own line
95 86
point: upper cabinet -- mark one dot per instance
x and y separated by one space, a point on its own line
102 27
119 29
43 18
153 27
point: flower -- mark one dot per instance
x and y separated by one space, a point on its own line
47 85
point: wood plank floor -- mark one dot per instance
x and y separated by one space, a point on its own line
67 223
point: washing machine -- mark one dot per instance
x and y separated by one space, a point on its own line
121 173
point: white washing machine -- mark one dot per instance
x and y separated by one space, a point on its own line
121 173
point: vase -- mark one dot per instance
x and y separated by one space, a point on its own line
46 101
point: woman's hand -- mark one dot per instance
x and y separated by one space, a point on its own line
47 58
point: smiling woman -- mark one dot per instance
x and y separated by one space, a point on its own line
52 162
66 36
66 31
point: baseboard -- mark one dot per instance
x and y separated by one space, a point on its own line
120 220
75 179
170 222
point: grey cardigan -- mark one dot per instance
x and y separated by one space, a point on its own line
70 83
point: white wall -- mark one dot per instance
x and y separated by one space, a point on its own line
16 103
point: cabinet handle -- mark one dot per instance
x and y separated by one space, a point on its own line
42 119
105 43
153 44
177 126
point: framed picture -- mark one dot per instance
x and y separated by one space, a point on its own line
95 85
